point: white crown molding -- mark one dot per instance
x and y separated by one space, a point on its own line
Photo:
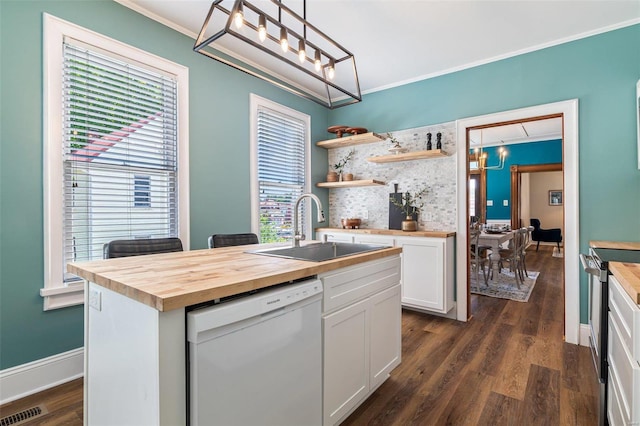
507 55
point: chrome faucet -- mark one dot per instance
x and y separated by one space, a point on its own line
297 236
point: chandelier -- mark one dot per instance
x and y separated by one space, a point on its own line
277 45
482 157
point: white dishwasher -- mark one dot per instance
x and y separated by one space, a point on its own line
257 360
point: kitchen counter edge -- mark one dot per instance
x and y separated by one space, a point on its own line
367 231
628 274
619 245
176 280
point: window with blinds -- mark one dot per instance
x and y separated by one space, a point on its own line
119 153
281 172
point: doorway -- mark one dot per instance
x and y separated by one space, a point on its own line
568 111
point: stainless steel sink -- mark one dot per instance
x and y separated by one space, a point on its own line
319 252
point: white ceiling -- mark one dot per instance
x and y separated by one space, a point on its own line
530 131
399 41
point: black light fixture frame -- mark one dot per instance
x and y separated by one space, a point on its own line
202 43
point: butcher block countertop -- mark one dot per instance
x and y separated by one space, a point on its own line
620 245
175 280
397 233
628 274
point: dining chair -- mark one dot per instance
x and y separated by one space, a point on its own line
477 255
140 247
514 255
227 240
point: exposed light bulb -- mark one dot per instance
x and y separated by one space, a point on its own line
284 42
302 54
317 62
238 18
262 28
332 69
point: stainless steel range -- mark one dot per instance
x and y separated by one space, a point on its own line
596 264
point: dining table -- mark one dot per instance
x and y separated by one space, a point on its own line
494 240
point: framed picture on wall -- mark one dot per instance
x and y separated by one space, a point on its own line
555 197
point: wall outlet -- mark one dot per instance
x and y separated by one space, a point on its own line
489 203
505 202
95 299
365 214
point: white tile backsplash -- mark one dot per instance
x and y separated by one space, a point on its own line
438 175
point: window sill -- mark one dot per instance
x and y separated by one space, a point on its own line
62 297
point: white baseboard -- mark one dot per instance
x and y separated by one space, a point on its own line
27 379
585 332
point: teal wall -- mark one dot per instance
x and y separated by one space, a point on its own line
219 157
499 181
600 71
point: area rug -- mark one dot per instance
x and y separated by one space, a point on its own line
504 286
557 253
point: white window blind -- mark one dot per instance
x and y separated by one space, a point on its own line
281 146
119 153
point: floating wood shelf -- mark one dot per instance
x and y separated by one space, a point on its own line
408 156
350 183
351 140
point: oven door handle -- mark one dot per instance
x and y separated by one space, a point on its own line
585 260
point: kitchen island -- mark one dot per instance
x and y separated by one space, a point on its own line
135 322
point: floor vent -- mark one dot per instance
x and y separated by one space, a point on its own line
24 416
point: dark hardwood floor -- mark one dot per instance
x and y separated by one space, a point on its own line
507 366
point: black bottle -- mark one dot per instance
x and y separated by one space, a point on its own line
428 141
438 141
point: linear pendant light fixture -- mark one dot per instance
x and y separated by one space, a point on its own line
277 45
482 156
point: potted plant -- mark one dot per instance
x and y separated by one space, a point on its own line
340 165
410 204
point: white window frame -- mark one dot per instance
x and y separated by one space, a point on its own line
255 102
56 293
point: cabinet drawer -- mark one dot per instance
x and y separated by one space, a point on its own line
625 372
615 414
359 281
627 315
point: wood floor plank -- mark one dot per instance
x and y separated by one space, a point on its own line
514 369
541 405
470 397
577 408
578 370
500 410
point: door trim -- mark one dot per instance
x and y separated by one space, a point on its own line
569 111
516 171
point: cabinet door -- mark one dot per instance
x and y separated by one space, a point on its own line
383 240
346 360
386 331
423 284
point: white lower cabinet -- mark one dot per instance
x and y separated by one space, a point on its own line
361 334
427 273
623 392
427 277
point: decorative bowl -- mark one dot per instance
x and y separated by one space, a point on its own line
350 223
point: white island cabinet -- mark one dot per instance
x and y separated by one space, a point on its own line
427 264
362 333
